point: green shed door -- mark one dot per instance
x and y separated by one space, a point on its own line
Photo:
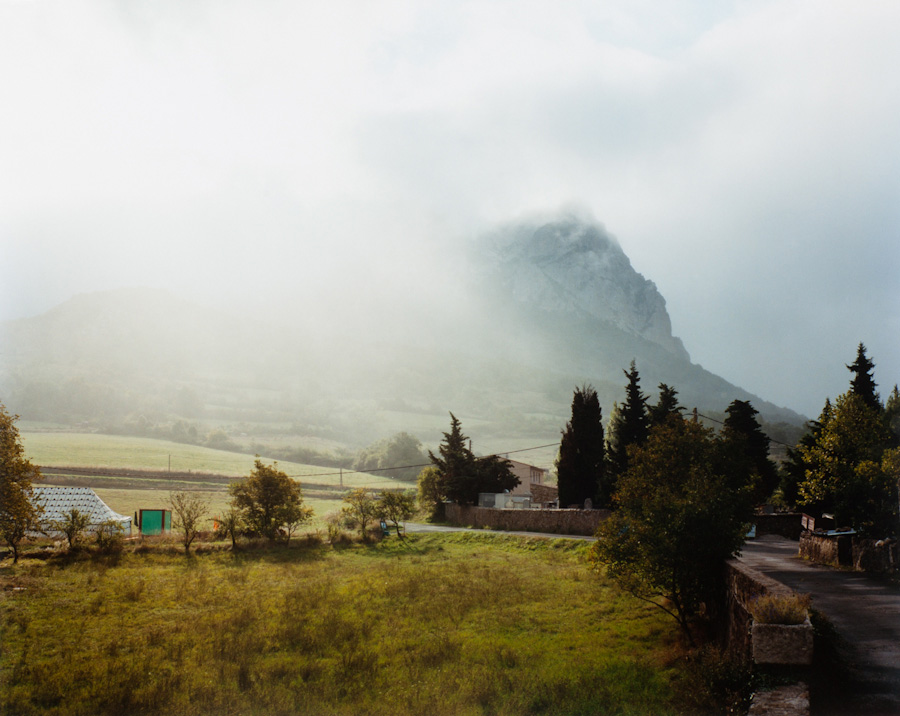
152 522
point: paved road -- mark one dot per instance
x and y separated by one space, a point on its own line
864 610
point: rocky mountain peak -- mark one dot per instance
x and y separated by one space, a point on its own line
571 266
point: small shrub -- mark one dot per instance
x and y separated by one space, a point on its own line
109 538
716 682
790 608
334 530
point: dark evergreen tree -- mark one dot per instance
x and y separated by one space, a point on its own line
493 474
863 383
456 464
631 424
743 435
461 476
666 405
580 464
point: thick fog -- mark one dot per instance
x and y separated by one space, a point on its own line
331 160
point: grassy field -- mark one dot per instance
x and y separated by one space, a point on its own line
438 624
96 450
126 495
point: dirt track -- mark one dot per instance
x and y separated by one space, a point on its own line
866 613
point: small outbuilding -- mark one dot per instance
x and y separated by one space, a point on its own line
60 501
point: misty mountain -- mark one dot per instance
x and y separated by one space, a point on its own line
548 306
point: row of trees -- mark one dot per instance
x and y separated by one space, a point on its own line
590 465
683 495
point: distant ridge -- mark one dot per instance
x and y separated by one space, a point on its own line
552 305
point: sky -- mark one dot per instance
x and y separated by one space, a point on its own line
746 155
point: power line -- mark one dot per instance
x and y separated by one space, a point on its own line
496 454
773 440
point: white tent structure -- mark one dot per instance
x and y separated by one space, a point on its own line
59 501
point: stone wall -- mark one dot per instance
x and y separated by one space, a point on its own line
877 557
744 584
821 549
864 555
563 522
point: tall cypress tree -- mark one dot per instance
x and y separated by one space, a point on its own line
456 464
462 476
631 426
744 435
666 405
863 383
580 464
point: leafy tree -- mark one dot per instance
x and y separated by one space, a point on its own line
18 513
743 434
400 456
360 509
680 516
666 405
230 525
892 412
270 503
396 507
429 492
73 525
631 424
794 468
462 476
493 474
581 460
849 467
188 510
863 383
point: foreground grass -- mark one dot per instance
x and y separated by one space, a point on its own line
440 624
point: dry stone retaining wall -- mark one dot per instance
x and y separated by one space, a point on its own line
563 522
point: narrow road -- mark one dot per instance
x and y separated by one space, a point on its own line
864 610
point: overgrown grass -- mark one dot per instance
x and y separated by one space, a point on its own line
437 624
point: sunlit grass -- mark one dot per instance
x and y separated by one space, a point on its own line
96 450
438 624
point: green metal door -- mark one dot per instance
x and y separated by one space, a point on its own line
154 522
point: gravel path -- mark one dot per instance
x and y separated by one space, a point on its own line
864 610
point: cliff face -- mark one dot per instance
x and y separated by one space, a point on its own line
570 268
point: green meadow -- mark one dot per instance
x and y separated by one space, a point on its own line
64 449
322 486
440 624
